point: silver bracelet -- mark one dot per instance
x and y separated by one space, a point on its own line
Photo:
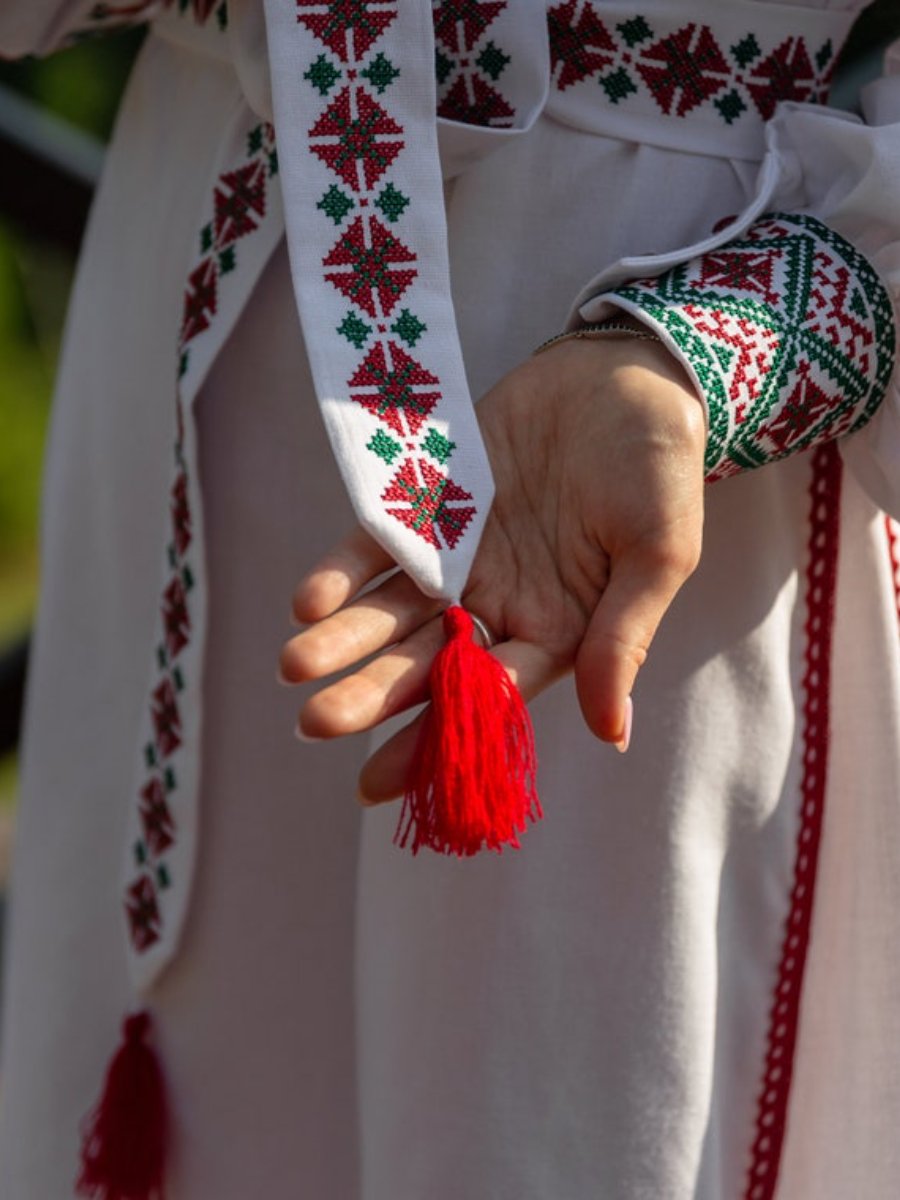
612 328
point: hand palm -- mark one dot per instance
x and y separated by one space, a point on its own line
597 452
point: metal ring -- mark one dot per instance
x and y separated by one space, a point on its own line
486 636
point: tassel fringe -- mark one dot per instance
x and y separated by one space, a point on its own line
472 780
124 1144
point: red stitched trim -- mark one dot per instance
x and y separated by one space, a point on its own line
784 1015
893 536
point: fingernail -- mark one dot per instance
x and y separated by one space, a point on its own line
625 740
281 678
305 737
296 622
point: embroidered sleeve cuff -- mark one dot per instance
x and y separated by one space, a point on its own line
787 332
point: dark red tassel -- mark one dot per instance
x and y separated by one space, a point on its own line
471 784
123 1152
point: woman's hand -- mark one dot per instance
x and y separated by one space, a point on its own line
597 454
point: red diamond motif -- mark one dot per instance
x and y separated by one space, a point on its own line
428 503
356 138
369 265
684 69
580 47
144 919
199 300
787 74
176 619
397 389
740 271
806 405
156 817
242 193
166 718
181 515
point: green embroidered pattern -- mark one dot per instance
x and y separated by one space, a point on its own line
408 327
358 137
789 332
662 63
238 204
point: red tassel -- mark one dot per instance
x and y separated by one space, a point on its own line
123 1151
472 781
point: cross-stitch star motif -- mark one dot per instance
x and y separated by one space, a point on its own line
358 136
468 65
238 205
656 63
788 330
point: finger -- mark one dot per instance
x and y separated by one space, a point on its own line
347 567
640 589
383 776
390 684
389 613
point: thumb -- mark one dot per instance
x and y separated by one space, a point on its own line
641 587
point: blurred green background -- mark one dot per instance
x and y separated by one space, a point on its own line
82 85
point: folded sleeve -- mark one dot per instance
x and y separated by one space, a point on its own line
786 317
39 27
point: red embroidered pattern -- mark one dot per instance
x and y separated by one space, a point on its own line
784 1016
680 67
238 205
359 139
892 529
789 332
467 65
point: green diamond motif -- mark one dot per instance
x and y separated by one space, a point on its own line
273 163
381 73
255 140
182 365
493 61
227 261
439 447
384 446
443 67
187 579
150 754
730 106
163 878
746 50
169 777
323 75
635 31
824 55
335 204
408 327
222 17
618 85
355 330
392 202
140 853
206 238
161 657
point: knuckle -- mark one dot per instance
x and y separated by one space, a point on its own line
674 558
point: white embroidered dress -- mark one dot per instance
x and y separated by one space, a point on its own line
686 984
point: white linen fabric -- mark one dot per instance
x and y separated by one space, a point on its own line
595 1016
